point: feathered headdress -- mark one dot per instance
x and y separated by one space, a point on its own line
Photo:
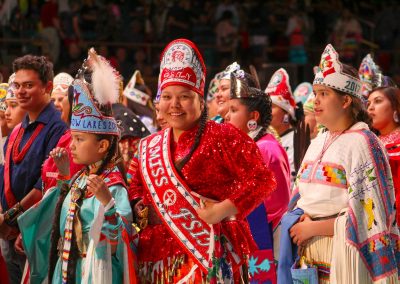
96 88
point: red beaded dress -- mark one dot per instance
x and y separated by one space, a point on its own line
226 165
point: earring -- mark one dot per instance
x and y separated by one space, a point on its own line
252 125
396 117
286 118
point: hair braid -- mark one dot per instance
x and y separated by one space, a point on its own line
55 230
263 105
260 134
74 253
202 126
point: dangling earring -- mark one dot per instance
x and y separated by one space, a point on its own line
285 118
252 125
396 117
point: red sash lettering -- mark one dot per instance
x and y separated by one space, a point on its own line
172 199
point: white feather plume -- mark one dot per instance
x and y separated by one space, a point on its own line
105 79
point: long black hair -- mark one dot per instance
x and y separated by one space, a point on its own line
200 130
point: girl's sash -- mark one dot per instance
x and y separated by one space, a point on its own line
174 202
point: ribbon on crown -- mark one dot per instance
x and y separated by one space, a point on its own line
330 73
281 93
100 92
182 64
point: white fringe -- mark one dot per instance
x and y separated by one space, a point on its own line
99 269
347 265
319 249
189 275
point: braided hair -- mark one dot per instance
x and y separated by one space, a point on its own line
263 105
55 236
200 130
244 88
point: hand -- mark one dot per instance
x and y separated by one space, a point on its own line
209 212
98 187
139 206
61 159
302 231
7 232
18 246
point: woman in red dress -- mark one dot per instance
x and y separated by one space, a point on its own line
196 182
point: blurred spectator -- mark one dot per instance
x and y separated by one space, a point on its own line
69 23
296 30
226 38
50 25
159 18
136 32
74 59
5 11
108 23
202 28
123 64
178 24
346 36
225 6
140 60
88 19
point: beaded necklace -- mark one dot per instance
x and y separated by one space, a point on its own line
17 155
77 189
333 136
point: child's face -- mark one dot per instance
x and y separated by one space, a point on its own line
14 113
328 106
85 148
238 115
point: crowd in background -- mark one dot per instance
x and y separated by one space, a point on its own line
132 33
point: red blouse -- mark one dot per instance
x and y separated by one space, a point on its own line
227 164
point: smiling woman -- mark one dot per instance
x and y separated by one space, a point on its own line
181 108
198 170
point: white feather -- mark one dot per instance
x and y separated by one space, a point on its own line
105 80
